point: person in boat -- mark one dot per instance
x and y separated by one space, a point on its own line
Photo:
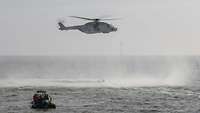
35 97
46 99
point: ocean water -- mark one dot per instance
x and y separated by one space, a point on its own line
102 84
105 100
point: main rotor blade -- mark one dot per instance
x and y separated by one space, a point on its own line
110 19
82 18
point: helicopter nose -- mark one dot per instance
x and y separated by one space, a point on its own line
114 29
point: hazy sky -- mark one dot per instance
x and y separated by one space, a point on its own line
147 27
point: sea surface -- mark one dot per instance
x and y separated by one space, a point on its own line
105 100
102 84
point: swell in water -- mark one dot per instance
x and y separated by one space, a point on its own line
114 71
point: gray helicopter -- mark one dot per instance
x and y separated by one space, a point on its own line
91 27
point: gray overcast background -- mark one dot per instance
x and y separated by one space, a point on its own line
147 27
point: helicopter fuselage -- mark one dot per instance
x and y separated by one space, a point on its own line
91 27
97 27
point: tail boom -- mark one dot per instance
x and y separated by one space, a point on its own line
63 27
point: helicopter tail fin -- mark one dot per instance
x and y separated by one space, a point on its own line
62 26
